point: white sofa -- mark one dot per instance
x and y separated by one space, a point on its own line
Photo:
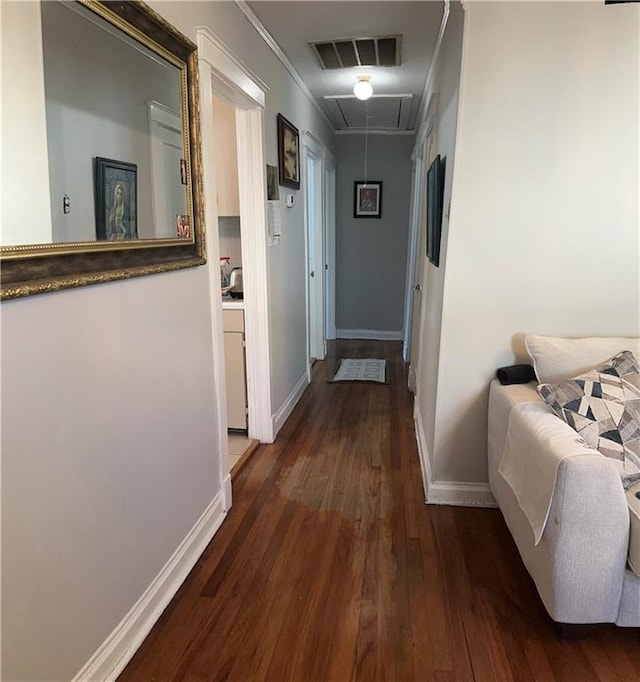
581 555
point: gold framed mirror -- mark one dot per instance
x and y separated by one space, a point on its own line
120 193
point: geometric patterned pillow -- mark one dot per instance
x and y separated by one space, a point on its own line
603 406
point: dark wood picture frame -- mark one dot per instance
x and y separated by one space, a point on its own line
435 196
288 153
367 199
116 200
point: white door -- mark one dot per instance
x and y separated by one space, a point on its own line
329 246
419 280
169 197
315 255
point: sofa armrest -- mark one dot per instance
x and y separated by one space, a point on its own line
579 564
580 561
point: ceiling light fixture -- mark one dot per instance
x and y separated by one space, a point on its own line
362 89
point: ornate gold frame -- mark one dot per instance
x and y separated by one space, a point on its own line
41 268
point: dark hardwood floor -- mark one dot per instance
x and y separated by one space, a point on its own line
330 566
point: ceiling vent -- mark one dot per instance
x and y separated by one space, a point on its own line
346 53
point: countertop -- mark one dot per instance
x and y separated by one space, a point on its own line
229 303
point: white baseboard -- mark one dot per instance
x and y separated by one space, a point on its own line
281 416
423 453
227 492
117 650
371 334
456 493
460 494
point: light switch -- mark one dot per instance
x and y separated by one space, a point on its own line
66 204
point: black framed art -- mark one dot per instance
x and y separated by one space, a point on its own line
288 153
116 196
435 195
367 199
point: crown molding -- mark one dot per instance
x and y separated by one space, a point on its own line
279 53
362 131
424 102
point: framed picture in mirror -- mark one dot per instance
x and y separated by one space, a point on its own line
116 197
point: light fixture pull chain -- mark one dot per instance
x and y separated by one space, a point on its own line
366 138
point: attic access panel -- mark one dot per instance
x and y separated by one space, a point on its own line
384 113
347 53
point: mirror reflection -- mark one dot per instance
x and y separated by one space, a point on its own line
117 167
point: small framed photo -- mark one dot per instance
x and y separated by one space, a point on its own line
273 191
367 201
288 153
116 199
183 227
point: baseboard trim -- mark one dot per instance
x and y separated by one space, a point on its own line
423 453
117 650
281 416
369 334
460 494
455 493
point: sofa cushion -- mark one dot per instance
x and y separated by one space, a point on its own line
557 359
634 534
603 406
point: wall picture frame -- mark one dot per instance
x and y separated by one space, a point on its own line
367 199
288 153
435 197
116 200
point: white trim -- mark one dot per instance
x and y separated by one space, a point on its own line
277 50
252 184
220 58
281 416
212 246
329 198
116 651
221 72
227 492
361 131
459 494
423 452
373 334
434 60
313 150
406 95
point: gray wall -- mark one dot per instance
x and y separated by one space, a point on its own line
370 252
109 450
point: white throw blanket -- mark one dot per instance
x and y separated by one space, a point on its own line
535 445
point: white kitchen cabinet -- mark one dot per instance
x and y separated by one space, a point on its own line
226 157
233 327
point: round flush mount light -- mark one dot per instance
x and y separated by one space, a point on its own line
362 89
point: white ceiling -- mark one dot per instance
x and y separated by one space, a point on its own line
293 24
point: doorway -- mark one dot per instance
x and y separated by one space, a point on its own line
314 210
224 75
329 245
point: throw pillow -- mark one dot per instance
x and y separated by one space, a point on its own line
556 358
603 406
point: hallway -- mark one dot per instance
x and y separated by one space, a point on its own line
329 566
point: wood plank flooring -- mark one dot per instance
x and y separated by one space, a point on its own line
330 567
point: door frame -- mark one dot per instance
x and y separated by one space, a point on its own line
223 74
329 198
313 148
417 195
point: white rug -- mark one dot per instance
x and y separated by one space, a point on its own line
368 369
